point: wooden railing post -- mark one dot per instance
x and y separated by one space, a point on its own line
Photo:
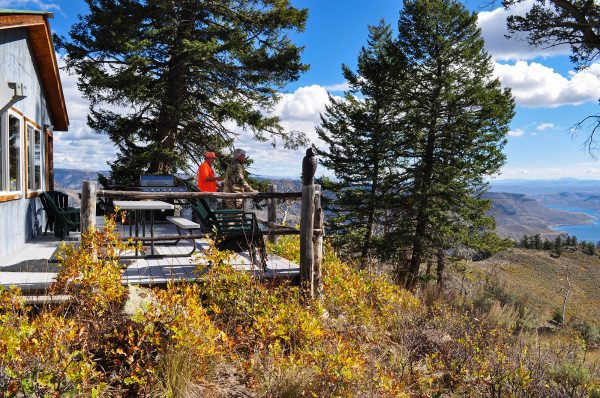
272 212
318 234
309 166
88 206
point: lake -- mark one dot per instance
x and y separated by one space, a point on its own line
588 232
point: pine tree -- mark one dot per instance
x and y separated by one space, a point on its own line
537 242
547 245
167 79
557 246
362 151
454 125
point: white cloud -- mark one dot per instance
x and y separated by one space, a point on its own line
493 29
338 87
299 111
305 104
537 86
516 133
544 126
533 85
31 5
80 147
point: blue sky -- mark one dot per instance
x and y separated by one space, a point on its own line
551 96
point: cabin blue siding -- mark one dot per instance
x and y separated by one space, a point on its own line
22 219
17 65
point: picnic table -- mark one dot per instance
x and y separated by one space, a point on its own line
138 209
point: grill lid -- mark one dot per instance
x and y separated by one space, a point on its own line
150 180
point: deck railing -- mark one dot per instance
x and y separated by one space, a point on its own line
311 216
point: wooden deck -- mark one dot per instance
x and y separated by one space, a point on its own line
30 270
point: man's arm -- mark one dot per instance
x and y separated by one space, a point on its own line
208 179
241 182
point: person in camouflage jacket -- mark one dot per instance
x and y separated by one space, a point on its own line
235 180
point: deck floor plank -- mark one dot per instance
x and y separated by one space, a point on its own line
136 271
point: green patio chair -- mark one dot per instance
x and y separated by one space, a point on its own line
62 202
60 219
234 230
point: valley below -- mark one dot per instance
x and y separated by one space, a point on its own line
517 215
546 207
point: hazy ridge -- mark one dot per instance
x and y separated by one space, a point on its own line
517 215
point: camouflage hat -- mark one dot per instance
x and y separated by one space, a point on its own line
238 152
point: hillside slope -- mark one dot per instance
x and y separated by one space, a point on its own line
517 215
541 278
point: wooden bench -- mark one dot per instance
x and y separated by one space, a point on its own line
186 225
183 223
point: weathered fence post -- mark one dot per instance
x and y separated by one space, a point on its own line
318 234
272 212
309 166
88 205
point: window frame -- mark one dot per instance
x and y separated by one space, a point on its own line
48 158
37 129
5 193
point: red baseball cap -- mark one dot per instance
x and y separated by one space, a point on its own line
210 155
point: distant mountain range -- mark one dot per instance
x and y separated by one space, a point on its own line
517 215
541 187
72 178
569 193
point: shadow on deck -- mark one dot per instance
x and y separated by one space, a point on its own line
29 268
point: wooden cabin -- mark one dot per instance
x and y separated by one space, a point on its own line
32 107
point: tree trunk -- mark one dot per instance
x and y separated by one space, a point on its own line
422 197
422 190
371 215
441 265
171 106
428 272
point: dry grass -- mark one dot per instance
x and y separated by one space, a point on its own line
177 370
541 278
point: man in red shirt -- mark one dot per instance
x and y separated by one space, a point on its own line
207 181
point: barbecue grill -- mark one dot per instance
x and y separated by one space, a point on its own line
160 183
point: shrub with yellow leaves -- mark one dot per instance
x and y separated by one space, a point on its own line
40 355
367 337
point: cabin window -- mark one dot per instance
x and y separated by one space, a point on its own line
49 157
11 143
34 158
2 155
11 153
14 153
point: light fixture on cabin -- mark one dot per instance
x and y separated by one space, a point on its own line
18 89
10 92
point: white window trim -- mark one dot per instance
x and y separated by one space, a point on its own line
27 159
5 156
